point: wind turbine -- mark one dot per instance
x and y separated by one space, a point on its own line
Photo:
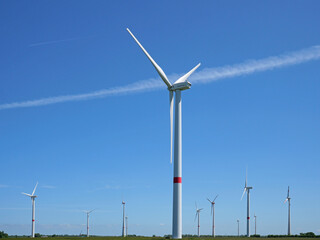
212 212
126 225
238 228
198 214
88 213
255 224
247 189
32 196
123 219
289 224
178 86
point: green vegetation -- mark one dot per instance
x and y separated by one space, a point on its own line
302 236
3 234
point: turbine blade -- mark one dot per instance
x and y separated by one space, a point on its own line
34 189
209 200
200 209
246 178
196 205
29 195
288 192
185 77
215 198
156 66
91 210
171 123
286 200
195 217
245 189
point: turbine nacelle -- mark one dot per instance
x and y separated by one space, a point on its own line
180 86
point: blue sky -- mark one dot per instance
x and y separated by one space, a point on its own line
261 113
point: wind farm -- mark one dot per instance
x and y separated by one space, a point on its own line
86 125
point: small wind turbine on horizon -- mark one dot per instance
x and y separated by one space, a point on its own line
247 189
289 223
88 213
32 196
238 228
123 219
178 86
198 214
126 225
255 224
212 213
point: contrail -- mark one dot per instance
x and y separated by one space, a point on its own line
59 41
205 76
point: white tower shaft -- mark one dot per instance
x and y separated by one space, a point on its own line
248 212
33 218
289 224
177 171
123 222
213 230
87 224
238 228
198 224
255 225
126 226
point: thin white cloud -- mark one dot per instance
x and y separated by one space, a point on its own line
59 41
48 186
3 186
205 76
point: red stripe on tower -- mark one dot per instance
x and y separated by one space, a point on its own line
248 217
32 220
177 180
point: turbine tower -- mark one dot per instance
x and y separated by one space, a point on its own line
289 224
88 213
255 224
238 228
126 225
123 219
247 189
32 196
212 212
178 86
198 214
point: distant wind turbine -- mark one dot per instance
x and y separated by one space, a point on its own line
212 212
126 225
238 228
255 224
247 189
198 214
123 220
178 86
289 223
88 213
32 196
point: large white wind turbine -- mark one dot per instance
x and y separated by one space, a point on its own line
123 220
178 86
289 224
88 213
247 189
32 196
198 214
212 212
